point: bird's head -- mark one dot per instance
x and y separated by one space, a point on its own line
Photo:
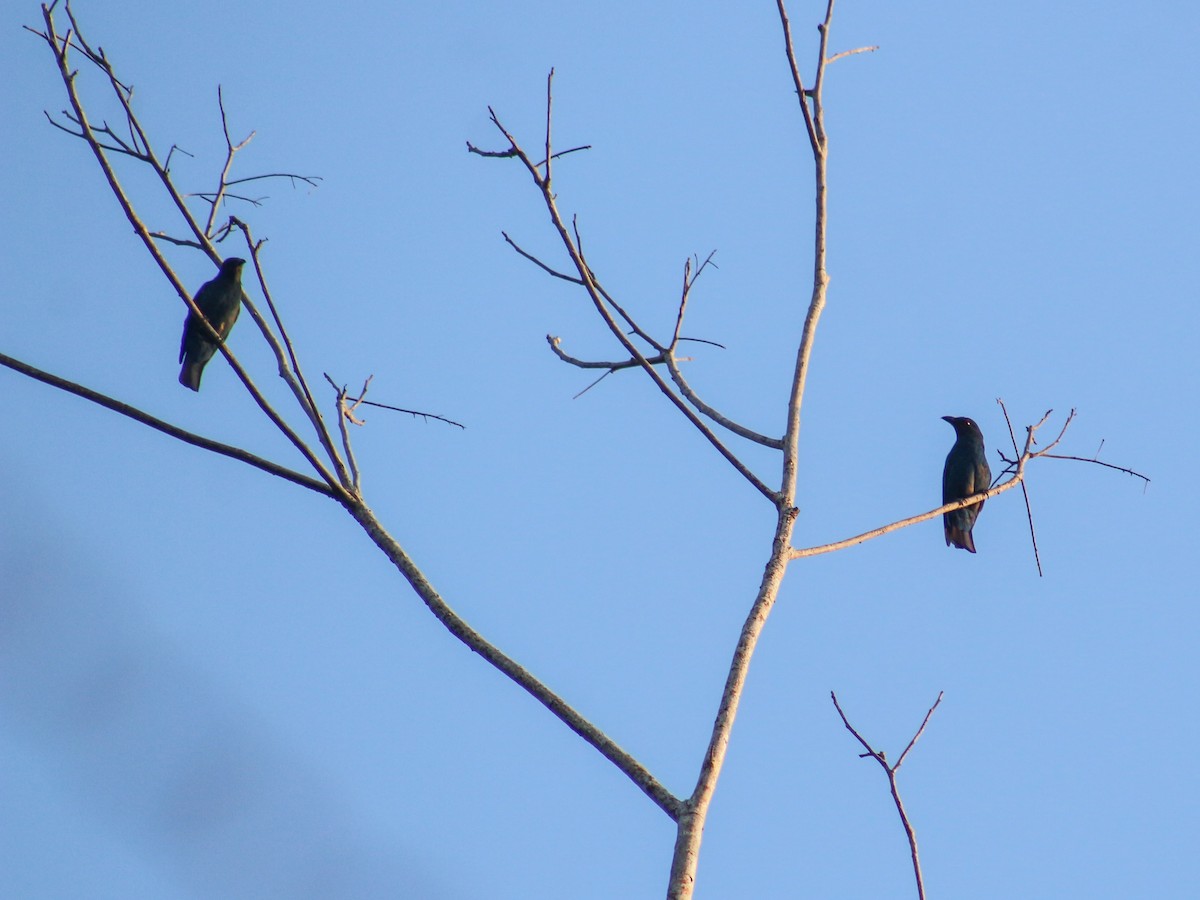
965 427
232 266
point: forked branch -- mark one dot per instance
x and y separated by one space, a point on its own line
880 757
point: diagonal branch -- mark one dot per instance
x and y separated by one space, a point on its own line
289 367
704 409
166 428
634 770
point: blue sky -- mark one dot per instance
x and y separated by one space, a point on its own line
211 683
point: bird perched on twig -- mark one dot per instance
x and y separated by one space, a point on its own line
966 473
220 300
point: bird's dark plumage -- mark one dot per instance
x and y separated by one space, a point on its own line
220 300
966 473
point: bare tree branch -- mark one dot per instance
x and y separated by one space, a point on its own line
537 262
345 413
853 52
1026 455
601 301
704 409
60 48
1024 488
166 428
880 757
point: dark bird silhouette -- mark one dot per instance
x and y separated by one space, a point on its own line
220 300
966 473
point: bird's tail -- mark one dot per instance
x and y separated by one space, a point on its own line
189 375
961 539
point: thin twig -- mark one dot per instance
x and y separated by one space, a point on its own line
1096 462
853 52
549 106
231 150
602 301
545 268
880 757
562 153
555 343
345 414
289 366
412 412
1024 490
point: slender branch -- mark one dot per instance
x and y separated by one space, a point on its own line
310 180
814 121
594 281
537 262
1097 462
1024 489
688 280
166 428
412 412
601 301
853 52
635 771
555 343
797 79
880 757
230 151
289 366
693 398
797 553
178 242
1018 477
346 414
549 106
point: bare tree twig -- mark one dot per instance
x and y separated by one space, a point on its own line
1097 462
880 757
415 413
1024 489
344 414
537 262
601 301
286 358
166 428
692 397
688 280
853 52
555 345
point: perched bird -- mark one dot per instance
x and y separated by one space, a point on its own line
966 473
220 300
